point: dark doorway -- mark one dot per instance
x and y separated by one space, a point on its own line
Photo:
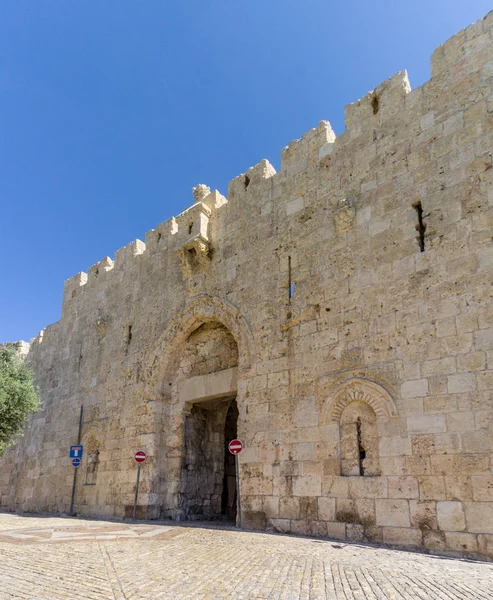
228 504
209 469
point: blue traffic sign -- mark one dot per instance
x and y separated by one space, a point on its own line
76 451
76 462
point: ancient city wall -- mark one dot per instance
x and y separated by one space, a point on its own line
346 302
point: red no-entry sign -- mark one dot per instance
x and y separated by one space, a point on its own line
140 456
235 446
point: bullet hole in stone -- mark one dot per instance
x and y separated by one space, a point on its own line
247 181
420 226
375 103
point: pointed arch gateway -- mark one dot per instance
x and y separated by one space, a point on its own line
194 371
162 364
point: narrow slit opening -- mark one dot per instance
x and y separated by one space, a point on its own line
420 226
290 281
361 450
375 103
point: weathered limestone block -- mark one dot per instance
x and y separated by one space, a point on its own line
482 488
403 487
392 512
450 516
402 536
414 389
479 516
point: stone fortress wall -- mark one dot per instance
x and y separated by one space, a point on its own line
344 302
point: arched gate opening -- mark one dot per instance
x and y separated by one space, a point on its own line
209 468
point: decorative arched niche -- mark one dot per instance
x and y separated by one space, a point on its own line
356 405
90 464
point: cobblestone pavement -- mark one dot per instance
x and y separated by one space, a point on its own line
49 558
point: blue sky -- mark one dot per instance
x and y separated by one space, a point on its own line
111 111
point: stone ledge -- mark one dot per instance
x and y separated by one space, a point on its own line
208 387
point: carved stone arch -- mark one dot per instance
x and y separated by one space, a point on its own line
91 434
162 363
192 405
358 390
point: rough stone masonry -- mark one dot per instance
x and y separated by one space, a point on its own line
336 316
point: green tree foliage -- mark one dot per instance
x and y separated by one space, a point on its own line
18 396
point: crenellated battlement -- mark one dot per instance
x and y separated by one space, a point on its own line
248 181
389 105
99 269
181 231
298 154
466 50
384 102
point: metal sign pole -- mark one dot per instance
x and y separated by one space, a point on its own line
75 470
136 490
238 503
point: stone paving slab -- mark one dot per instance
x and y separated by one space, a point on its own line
63 558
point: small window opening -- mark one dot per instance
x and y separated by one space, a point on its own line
420 226
129 335
247 181
159 236
96 273
359 441
361 450
375 103
290 281
190 227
